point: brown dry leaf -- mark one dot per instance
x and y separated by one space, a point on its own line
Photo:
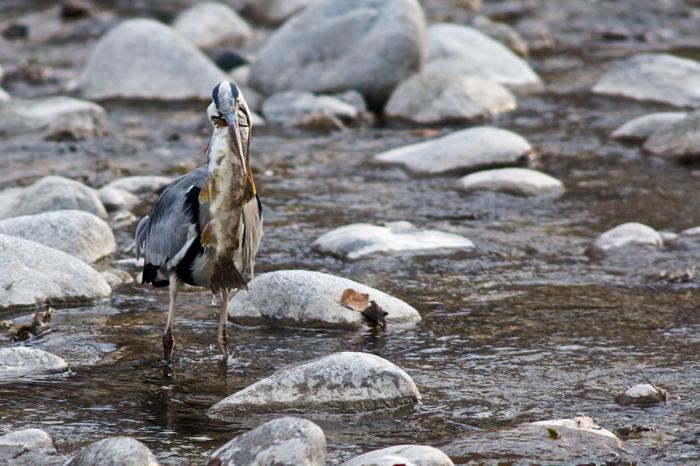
355 300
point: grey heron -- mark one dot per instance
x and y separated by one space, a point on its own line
205 227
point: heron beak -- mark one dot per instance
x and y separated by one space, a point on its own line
232 123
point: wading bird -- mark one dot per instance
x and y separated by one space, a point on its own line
206 226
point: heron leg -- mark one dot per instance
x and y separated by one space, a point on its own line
222 334
168 339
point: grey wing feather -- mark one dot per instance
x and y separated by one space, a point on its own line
252 234
140 236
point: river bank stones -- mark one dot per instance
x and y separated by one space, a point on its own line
518 181
300 298
639 129
676 141
331 46
28 447
340 383
23 361
116 451
124 62
210 24
627 234
418 455
287 441
295 108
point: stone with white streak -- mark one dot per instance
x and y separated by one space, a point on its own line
417 455
519 181
211 24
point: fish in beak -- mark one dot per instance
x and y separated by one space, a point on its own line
233 129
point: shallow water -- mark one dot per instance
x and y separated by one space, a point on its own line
526 327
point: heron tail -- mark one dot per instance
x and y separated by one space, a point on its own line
226 276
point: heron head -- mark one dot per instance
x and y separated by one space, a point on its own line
229 109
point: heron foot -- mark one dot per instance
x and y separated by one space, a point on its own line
168 345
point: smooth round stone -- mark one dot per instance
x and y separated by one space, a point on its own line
640 128
462 151
642 394
274 12
627 234
211 24
116 199
291 108
144 59
418 455
502 33
287 441
301 298
76 232
115 451
653 76
519 181
340 383
140 184
28 447
23 361
362 239
433 97
676 141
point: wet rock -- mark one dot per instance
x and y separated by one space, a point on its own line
287 441
115 451
140 184
32 274
77 349
334 46
519 181
563 441
28 447
642 394
341 383
210 24
4 96
418 455
676 141
75 232
435 96
640 128
301 298
462 151
274 12
627 234
117 277
472 53
353 98
361 239
48 194
144 59
293 108
23 361
117 199
52 118
653 76
502 33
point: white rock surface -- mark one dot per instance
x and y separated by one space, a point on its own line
32 274
144 59
291 108
211 24
274 12
502 33
48 194
287 441
520 181
116 199
640 128
464 150
334 46
338 383
52 118
361 239
473 53
653 76
301 298
140 184
115 451
676 141
76 232
4 96
117 277
23 361
642 394
627 234
418 455
435 96
28 447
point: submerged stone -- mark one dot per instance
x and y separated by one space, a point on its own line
23 362
115 451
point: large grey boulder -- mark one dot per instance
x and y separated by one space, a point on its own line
287 441
48 194
292 108
23 361
301 298
653 76
435 96
340 383
417 455
28 447
78 233
627 234
519 181
140 184
52 118
32 274
464 151
115 451
332 46
676 141
361 239
472 53
211 24
144 59
274 12
641 128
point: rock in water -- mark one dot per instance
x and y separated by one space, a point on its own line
643 394
140 184
640 128
301 298
144 59
210 24
32 274
627 234
332 46
75 232
676 141
462 151
653 76
287 441
519 181
115 451
292 107
341 383
418 455
28 447
23 361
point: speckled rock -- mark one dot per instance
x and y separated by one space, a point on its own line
653 76
301 298
627 234
287 441
292 108
125 61
361 239
274 12
340 383
211 24
643 394
417 455
332 46
116 199
48 194
28 447
640 128
140 184
676 141
75 232
462 151
23 361
519 181
115 451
